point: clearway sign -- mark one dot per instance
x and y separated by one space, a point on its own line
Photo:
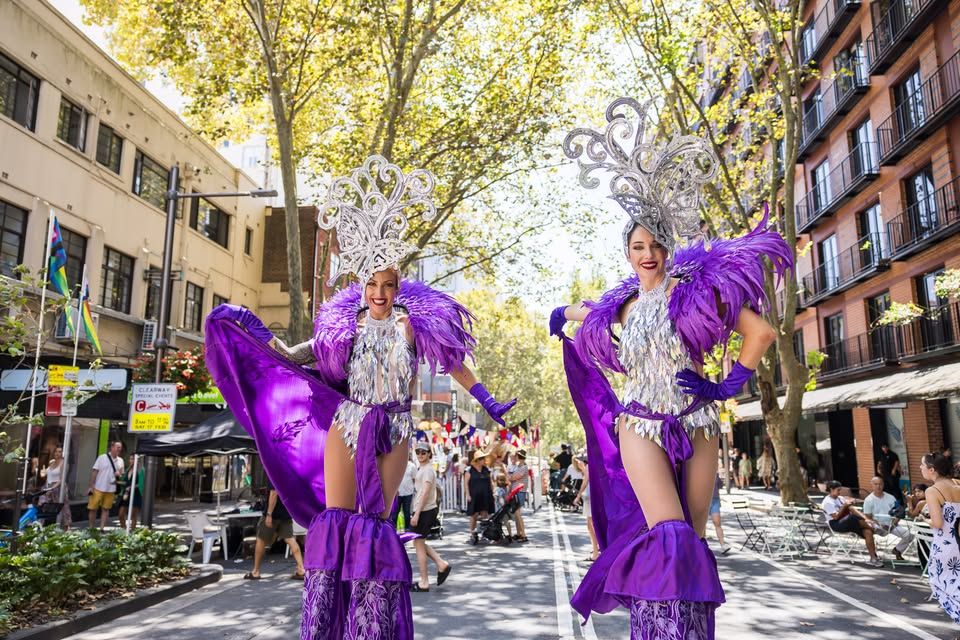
152 408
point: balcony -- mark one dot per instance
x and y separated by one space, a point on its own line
853 265
925 222
896 29
836 101
827 25
921 113
937 333
857 170
861 353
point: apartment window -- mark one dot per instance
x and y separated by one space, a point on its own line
152 310
109 147
193 309
863 158
219 300
829 267
822 193
13 229
248 241
833 341
936 329
210 221
848 67
812 113
881 338
149 180
921 202
873 238
72 126
75 246
908 103
798 351
876 306
808 39
117 280
19 93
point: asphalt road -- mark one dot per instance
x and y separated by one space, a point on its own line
522 591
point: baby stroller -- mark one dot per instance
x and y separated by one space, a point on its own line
563 499
492 527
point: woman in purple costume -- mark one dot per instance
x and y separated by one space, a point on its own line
653 452
331 416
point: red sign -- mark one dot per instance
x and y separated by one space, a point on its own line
54 402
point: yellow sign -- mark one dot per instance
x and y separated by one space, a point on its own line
62 376
142 422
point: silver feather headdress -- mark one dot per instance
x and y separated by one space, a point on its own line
658 186
368 208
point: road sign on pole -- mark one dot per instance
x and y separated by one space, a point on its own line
152 407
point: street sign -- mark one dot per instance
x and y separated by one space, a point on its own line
152 408
89 380
54 404
62 376
453 405
69 404
726 422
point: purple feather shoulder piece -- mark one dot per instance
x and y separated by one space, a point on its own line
594 340
441 329
441 326
730 271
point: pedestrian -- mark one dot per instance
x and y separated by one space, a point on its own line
479 491
517 474
583 498
744 470
53 479
842 517
405 495
331 416
107 470
943 502
917 500
137 488
884 514
765 468
888 468
275 522
676 306
425 512
715 516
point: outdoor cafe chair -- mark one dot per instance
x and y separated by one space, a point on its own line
205 532
753 528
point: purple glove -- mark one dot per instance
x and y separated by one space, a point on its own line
693 383
245 318
492 407
557 320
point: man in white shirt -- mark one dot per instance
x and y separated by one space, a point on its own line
107 469
843 518
877 507
405 495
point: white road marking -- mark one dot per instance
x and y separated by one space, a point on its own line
587 629
565 628
882 615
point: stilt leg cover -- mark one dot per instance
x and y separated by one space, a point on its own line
326 598
667 562
373 551
325 540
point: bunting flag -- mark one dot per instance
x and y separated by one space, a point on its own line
57 271
503 434
87 319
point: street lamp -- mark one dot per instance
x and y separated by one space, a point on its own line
161 343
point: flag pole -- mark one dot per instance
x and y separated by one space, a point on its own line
69 428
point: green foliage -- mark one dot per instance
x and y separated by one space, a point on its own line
55 567
186 368
814 362
899 314
947 284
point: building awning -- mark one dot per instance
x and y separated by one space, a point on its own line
922 383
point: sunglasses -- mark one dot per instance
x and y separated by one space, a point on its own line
422 453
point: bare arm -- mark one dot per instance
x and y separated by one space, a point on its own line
299 353
757 334
935 508
576 312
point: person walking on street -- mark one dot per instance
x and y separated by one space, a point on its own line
517 474
275 523
765 468
405 495
479 491
107 470
888 468
137 488
583 498
425 511
744 471
53 478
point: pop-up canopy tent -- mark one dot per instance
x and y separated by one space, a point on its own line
220 434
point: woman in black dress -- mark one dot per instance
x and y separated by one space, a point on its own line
479 491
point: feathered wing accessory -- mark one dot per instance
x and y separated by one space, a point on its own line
369 209
594 340
441 329
657 185
730 272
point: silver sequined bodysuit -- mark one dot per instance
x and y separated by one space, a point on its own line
652 353
381 367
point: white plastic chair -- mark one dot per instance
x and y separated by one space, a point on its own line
205 532
298 530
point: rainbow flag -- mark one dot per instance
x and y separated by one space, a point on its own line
87 319
58 270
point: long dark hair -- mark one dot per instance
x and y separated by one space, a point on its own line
940 463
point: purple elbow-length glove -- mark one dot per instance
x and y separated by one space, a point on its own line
245 318
558 318
496 409
693 383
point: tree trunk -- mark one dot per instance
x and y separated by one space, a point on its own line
296 331
789 479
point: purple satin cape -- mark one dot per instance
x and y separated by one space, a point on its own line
667 562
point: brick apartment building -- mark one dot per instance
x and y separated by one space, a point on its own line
877 197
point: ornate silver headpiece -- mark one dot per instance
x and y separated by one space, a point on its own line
368 209
658 186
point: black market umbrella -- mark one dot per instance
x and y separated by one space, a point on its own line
220 434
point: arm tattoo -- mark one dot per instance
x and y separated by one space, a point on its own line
299 353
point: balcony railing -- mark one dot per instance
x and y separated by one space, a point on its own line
851 266
861 352
837 99
853 174
935 333
923 110
895 30
827 25
926 221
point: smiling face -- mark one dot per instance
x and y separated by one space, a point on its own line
380 292
647 256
